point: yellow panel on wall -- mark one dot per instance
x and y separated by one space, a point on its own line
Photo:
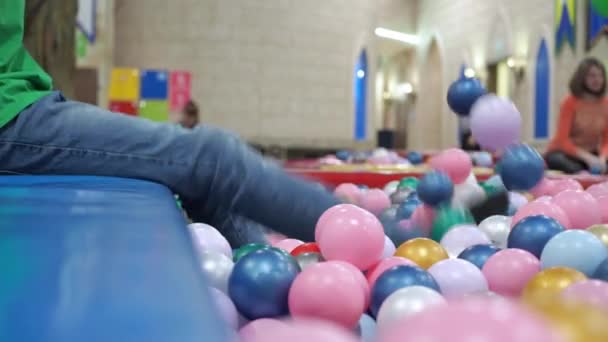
124 84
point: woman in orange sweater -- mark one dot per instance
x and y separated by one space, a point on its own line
581 142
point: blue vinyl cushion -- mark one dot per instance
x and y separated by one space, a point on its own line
98 259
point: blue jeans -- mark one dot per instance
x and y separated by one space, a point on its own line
220 180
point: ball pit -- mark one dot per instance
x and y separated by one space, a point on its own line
409 254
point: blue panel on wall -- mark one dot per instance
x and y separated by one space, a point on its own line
597 24
541 101
360 95
154 84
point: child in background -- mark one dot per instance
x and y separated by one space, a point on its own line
219 179
189 115
581 142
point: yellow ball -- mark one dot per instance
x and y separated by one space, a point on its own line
574 321
550 283
424 252
600 231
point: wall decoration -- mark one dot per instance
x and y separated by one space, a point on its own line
565 24
179 90
360 96
542 88
86 19
597 24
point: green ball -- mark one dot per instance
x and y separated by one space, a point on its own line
600 6
489 189
408 183
447 218
240 252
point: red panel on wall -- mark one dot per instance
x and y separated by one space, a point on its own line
124 107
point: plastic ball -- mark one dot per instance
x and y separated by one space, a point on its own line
468 195
407 208
517 200
577 249
217 268
593 292
550 282
288 245
260 282
509 271
478 255
389 248
301 330
435 188
446 218
246 249
343 155
348 233
423 217
306 259
458 277
397 278
495 122
472 319
483 159
424 252
497 229
521 167
256 330
226 308
543 188
454 162
366 328
463 93
375 201
327 291
564 184
309 247
416 158
581 208
348 192
390 187
385 264
407 302
533 232
598 190
601 232
208 239
461 237
401 231
601 272
401 195
602 202
541 207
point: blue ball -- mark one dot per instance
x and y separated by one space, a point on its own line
397 278
577 249
601 272
435 189
595 170
406 209
463 93
260 282
343 155
414 196
478 254
533 232
521 167
415 158
399 234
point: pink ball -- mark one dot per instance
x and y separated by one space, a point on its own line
375 201
602 202
327 291
509 270
563 185
375 272
306 331
598 190
360 279
288 244
543 188
454 162
472 319
348 233
581 208
255 331
348 192
593 292
540 207
422 218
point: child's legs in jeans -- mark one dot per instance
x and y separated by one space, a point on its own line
215 173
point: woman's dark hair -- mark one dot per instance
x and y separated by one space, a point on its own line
190 110
578 87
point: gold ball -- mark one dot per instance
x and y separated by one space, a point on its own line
424 252
550 283
601 232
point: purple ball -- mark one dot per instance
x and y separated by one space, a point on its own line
495 122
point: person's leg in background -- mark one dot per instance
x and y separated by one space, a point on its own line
560 161
205 166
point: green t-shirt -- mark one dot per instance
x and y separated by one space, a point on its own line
22 80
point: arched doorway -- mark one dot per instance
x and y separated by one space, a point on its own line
360 97
541 99
427 129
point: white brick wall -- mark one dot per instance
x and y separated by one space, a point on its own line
272 70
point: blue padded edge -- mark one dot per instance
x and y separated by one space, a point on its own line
98 259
